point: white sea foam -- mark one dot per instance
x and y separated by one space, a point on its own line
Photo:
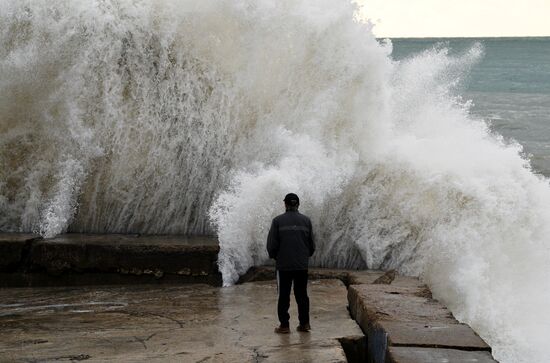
162 116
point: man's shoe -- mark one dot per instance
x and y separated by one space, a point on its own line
303 328
282 330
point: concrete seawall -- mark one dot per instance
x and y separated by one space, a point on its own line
90 259
400 320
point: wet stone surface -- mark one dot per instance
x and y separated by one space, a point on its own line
185 323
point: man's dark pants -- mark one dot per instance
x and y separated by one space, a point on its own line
285 279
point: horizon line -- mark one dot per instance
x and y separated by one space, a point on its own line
464 37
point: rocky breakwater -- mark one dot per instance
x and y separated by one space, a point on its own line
79 259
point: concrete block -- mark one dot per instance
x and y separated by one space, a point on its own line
432 355
13 247
440 335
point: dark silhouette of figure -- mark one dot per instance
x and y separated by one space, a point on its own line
290 242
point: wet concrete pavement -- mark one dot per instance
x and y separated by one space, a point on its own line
167 320
169 323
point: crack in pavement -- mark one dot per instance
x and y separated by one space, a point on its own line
142 341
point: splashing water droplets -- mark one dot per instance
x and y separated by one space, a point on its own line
198 117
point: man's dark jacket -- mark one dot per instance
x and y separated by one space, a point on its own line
290 241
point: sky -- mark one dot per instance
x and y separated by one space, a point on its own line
457 18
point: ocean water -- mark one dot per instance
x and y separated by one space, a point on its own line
198 117
509 87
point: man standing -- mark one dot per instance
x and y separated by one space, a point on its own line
290 242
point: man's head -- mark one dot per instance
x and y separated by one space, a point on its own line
291 201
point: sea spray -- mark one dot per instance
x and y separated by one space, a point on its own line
106 111
164 116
